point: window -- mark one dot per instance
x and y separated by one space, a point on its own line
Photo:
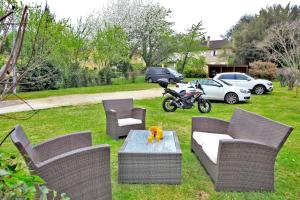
213 52
227 76
210 83
241 77
158 71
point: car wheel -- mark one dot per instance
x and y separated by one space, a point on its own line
231 98
150 80
171 80
259 89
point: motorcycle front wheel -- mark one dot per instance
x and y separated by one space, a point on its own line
167 104
204 106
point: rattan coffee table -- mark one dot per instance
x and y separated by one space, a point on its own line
156 162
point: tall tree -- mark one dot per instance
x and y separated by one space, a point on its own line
111 47
190 42
251 29
282 45
146 26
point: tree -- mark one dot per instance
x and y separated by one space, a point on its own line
110 47
190 42
149 33
282 45
251 29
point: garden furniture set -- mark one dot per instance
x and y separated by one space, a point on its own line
238 155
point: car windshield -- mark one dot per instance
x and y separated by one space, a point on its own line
173 71
193 82
225 82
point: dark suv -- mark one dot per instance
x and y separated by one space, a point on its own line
155 73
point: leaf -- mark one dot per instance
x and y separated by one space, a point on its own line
12 167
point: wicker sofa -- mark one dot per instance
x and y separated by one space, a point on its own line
121 117
239 155
69 164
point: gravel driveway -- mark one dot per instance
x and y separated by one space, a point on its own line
77 99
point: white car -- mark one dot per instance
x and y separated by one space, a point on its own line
258 86
218 90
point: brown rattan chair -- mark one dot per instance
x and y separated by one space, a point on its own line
245 162
69 164
121 117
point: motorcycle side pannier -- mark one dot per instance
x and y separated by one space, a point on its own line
163 82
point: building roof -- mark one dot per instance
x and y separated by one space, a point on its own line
218 44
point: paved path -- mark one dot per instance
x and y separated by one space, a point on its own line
76 99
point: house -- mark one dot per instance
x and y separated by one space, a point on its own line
217 56
218 51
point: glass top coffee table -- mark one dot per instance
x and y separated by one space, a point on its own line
156 162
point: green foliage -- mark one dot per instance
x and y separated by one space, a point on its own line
15 182
260 69
43 77
195 68
125 67
251 29
106 75
111 45
190 42
77 76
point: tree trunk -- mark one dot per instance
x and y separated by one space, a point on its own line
184 61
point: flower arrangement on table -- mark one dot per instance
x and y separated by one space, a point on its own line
157 133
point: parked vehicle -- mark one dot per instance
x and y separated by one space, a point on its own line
218 90
155 73
258 86
184 99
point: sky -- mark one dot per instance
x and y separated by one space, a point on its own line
218 16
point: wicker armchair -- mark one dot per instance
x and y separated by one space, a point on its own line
246 161
121 117
69 164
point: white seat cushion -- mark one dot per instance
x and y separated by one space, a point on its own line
128 121
210 143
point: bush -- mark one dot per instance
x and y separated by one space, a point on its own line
194 72
72 76
288 76
43 77
195 68
260 69
106 74
76 76
16 183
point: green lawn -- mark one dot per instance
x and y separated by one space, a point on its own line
196 184
118 85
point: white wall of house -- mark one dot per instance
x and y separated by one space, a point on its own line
218 56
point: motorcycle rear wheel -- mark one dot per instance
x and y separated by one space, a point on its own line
167 104
204 106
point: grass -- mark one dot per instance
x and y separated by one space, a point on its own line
118 85
196 184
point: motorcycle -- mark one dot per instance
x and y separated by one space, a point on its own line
184 99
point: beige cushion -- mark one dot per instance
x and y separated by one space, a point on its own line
128 121
210 143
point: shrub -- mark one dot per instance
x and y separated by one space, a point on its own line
260 69
106 74
288 76
73 76
17 183
124 67
43 77
195 68
194 72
